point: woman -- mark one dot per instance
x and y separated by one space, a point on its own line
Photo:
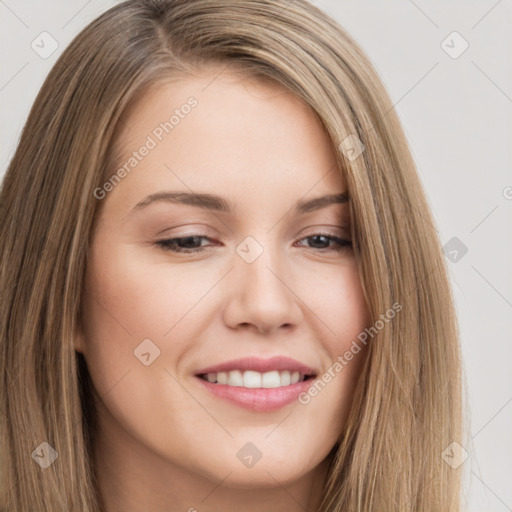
222 288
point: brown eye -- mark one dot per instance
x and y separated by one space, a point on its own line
324 239
183 244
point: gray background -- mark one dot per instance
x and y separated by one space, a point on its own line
457 116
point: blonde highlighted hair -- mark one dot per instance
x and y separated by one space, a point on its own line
407 406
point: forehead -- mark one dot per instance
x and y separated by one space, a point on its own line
217 131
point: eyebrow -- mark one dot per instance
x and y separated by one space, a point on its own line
217 203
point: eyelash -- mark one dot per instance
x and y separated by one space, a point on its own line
168 244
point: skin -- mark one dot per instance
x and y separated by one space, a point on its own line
164 443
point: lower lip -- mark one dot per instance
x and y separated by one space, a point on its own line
258 399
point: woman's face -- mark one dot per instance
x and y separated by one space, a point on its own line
274 281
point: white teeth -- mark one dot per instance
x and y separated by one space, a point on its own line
271 380
252 379
235 378
285 378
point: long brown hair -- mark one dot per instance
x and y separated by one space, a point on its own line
407 406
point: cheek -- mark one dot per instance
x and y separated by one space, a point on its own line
350 317
132 300
125 305
339 303
129 301
349 311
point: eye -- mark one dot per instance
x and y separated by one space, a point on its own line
188 244
323 238
192 243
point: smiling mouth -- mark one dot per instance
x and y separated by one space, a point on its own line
252 379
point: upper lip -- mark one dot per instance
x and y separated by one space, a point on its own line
259 365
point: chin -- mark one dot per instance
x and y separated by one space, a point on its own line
266 473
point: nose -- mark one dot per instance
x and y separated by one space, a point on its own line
261 296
